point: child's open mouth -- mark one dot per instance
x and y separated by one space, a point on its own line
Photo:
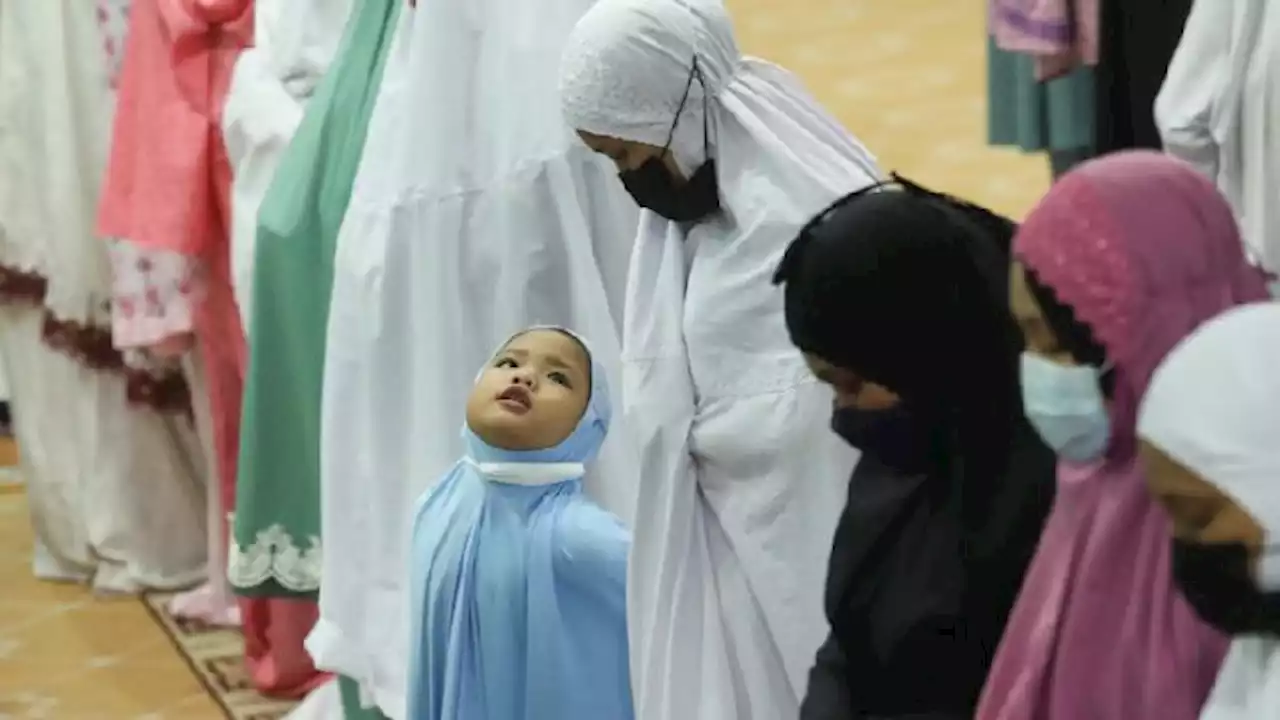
516 399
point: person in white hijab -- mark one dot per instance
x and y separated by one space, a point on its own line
741 480
1209 424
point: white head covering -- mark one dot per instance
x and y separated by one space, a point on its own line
625 69
780 159
1214 406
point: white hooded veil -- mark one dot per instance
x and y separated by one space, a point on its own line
1214 407
741 481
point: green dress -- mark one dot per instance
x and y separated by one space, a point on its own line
350 693
1056 117
277 548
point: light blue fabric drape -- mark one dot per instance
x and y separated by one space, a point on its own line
519 589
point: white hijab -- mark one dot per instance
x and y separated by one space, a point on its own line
1214 407
780 159
625 69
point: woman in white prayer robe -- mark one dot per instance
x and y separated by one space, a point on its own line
1218 108
1208 425
741 480
475 213
112 467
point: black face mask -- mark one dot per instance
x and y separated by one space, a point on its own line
893 435
654 187
1216 580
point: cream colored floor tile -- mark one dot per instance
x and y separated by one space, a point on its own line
93 632
198 706
130 690
68 655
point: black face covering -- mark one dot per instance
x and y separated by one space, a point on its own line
1215 579
654 187
894 435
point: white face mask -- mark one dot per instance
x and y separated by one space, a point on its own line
528 473
1065 405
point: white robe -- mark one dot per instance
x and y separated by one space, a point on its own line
294 43
353 479
741 479
1218 108
115 490
475 213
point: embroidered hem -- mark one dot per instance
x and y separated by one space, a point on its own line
274 556
164 390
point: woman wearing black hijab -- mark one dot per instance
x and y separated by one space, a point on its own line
897 297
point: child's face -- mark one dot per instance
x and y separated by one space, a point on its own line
533 394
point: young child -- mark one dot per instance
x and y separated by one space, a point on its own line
518 579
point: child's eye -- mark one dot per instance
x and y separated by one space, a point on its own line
560 378
506 363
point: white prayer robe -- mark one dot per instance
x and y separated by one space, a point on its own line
115 490
741 479
294 41
1218 110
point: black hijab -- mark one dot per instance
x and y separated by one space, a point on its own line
908 288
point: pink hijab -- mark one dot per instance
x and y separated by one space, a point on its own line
1143 250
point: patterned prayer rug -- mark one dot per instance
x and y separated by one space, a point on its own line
216 656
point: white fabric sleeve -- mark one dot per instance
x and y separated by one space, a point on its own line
1197 76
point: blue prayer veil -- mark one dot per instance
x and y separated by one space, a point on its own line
519 585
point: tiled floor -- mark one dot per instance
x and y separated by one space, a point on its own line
67 655
906 76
